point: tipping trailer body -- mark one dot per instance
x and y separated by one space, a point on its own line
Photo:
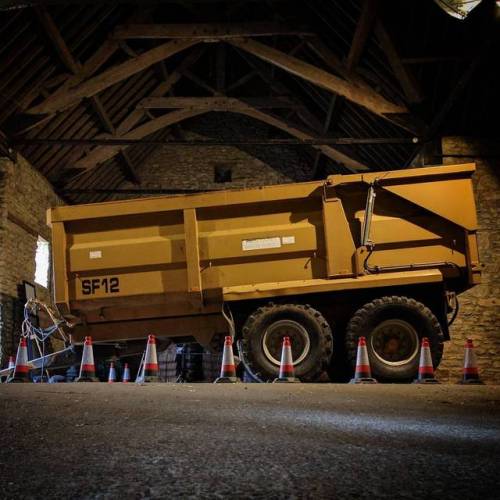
166 265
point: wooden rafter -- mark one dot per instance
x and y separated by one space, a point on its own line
210 32
336 155
363 30
333 61
276 86
135 116
365 97
403 74
216 102
71 96
130 170
102 153
57 40
76 68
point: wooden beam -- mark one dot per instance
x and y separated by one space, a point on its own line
102 114
336 155
363 30
216 102
404 76
72 64
115 74
332 60
206 32
365 97
137 114
129 168
241 81
201 83
103 153
303 113
181 141
57 40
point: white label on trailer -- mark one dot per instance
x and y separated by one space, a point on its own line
261 243
288 240
95 254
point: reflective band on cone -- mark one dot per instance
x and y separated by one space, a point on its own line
87 367
287 371
112 373
21 368
228 368
12 363
151 370
363 371
126 374
425 367
470 373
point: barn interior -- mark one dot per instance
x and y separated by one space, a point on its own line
114 100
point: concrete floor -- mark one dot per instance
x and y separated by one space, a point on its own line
241 441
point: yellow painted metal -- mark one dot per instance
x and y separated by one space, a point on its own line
266 290
192 249
59 250
340 251
147 261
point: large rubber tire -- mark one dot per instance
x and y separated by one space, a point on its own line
402 309
314 324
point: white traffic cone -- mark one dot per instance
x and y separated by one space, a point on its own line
470 370
363 371
425 367
151 361
287 370
228 368
21 368
126 374
112 373
87 367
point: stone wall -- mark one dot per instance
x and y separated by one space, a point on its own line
25 196
479 316
192 167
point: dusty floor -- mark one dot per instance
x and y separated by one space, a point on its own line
242 441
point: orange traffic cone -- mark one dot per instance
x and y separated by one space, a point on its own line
470 371
363 371
425 368
228 368
87 367
112 373
151 361
126 374
21 368
287 371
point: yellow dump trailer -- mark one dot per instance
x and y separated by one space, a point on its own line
380 255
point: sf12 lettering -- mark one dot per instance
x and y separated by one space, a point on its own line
106 285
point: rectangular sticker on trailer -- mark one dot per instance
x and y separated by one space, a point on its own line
288 240
261 243
95 254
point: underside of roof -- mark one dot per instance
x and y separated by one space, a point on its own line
89 90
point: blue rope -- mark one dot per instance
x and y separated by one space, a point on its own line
42 334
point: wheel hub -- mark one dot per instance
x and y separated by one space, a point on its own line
394 342
273 339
